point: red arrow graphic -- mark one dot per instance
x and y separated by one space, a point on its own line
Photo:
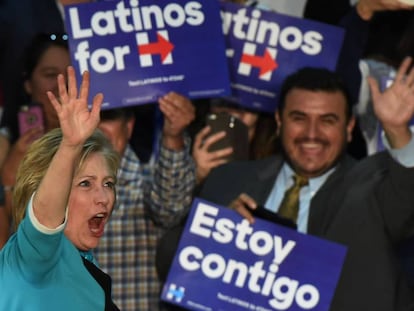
162 47
266 63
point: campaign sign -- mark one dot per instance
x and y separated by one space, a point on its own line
225 263
264 47
137 51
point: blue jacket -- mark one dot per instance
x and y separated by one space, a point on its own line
44 271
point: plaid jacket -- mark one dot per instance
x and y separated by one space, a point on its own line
148 199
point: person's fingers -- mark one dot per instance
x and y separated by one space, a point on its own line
72 87
402 70
173 105
31 134
243 205
400 5
164 106
200 137
84 88
96 105
410 77
248 200
53 100
179 102
221 153
63 91
210 140
217 162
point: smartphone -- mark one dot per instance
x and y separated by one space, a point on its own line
30 117
236 135
263 213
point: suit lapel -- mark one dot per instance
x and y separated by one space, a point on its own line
326 203
266 177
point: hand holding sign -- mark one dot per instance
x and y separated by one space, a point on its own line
137 51
225 263
178 113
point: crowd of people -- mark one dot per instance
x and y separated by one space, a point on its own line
93 201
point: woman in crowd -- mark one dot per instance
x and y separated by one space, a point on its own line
45 58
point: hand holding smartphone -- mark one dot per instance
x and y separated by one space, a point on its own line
263 213
30 117
236 135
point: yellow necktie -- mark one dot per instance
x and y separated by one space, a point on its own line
290 204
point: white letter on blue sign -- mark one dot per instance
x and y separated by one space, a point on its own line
201 218
77 32
185 258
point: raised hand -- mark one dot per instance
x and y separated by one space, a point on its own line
394 107
178 113
76 120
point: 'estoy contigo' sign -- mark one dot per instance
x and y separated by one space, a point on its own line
225 263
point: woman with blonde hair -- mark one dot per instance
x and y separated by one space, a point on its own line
63 197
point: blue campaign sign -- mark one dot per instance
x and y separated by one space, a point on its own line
137 51
225 263
264 47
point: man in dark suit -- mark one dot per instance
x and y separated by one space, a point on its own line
367 206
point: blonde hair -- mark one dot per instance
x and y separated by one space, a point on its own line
37 159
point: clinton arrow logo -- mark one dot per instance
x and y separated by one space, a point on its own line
175 293
265 63
161 47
